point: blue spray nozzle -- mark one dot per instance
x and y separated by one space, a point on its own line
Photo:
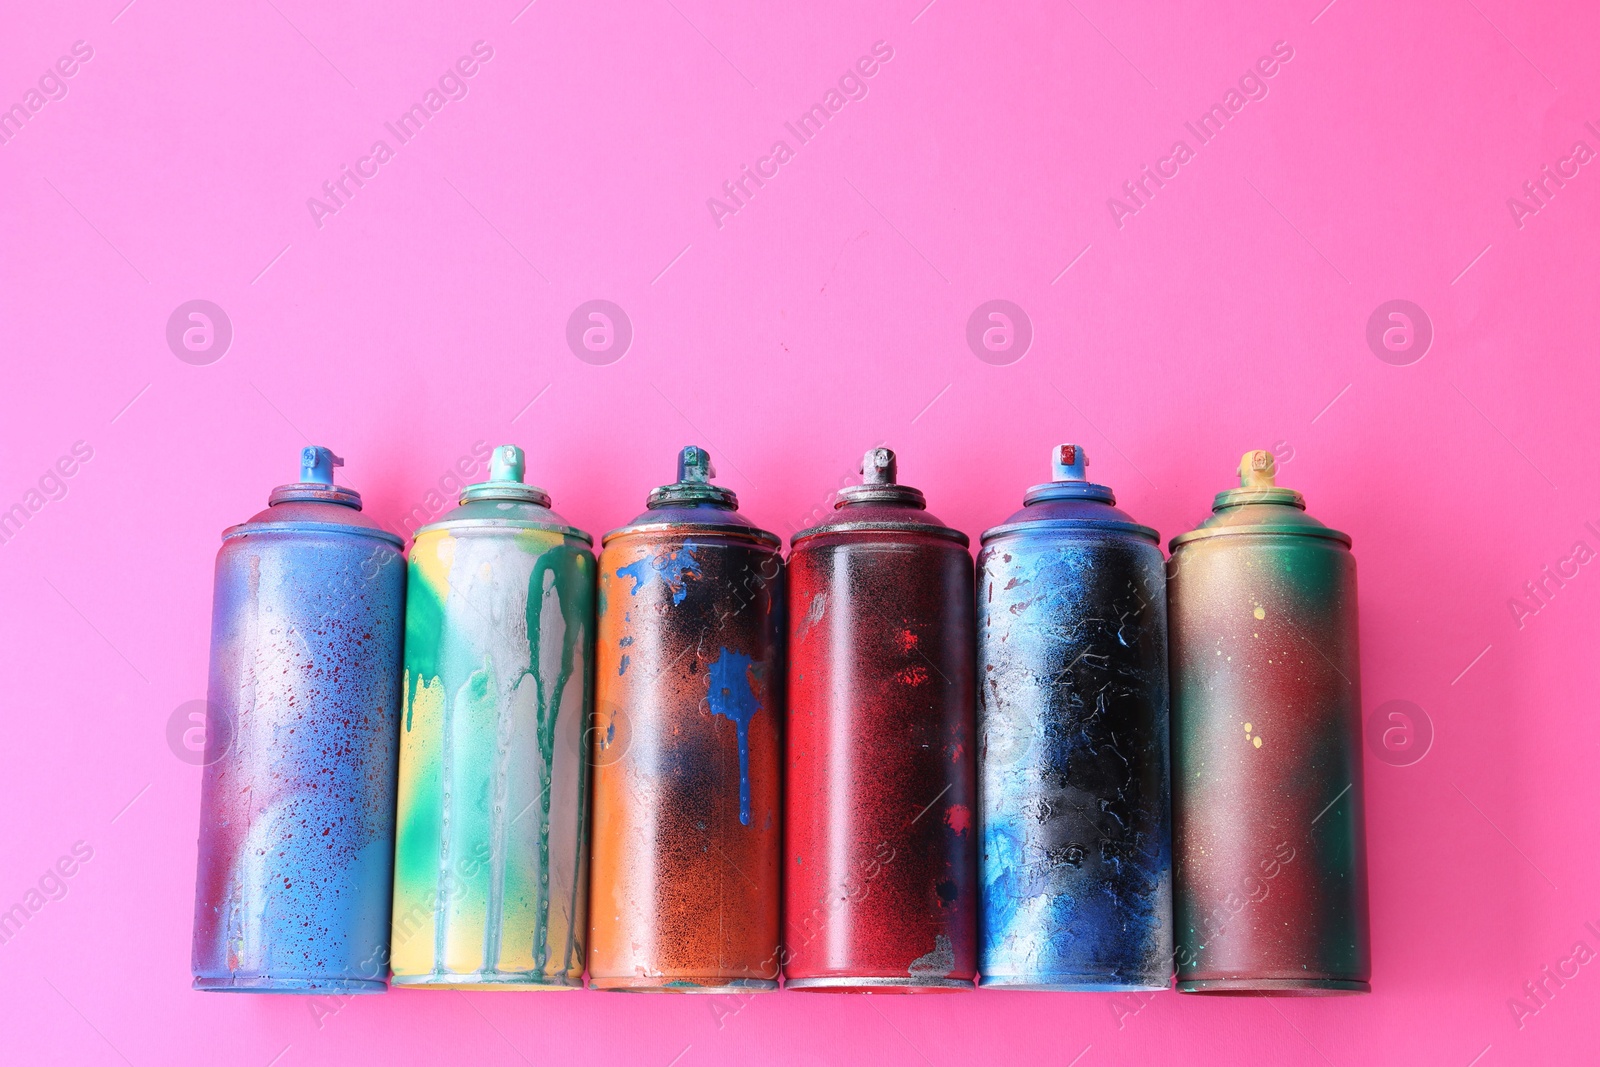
317 463
1068 463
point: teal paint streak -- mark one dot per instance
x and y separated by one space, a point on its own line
566 572
730 695
424 625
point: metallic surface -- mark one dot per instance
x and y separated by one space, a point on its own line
297 799
880 868
490 859
687 746
1074 798
1267 793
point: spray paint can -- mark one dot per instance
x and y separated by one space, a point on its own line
880 868
687 735
1072 713
297 798
490 858
1266 706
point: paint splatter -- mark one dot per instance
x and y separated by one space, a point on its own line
672 567
912 675
958 818
729 694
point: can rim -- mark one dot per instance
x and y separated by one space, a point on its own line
823 982
244 529
1109 525
733 531
1262 528
508 524
943 532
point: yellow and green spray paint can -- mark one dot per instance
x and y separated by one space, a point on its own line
491 852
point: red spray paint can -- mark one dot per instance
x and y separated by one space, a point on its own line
880 867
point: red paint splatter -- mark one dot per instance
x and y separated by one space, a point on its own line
906 640
958 817
912 675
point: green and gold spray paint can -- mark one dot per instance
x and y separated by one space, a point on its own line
491 860
1270 852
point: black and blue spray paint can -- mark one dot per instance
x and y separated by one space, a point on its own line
1074 788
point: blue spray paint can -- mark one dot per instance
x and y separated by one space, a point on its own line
298 798
1073 761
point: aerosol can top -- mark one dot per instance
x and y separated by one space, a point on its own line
1070 500
692 504
1259 506
507 466
316 481
881 503
693 486
313 504
1069 479
505 500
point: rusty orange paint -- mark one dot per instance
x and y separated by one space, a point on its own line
686 746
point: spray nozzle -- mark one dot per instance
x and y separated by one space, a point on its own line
1258 470
1068 463
317 463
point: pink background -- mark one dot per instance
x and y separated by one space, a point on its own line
828 314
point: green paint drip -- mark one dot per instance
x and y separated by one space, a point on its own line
424 626
561 572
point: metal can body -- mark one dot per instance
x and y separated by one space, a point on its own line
297 798
1268 803
687 748
490 860
880 868
1073 758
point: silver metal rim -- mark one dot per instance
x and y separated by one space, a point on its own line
942 532
486 982
1323 532
504 524
1072 525
1080 983
743 985
877 983
246 528
731 531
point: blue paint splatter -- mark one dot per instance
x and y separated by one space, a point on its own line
622 668
671 567
730 696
